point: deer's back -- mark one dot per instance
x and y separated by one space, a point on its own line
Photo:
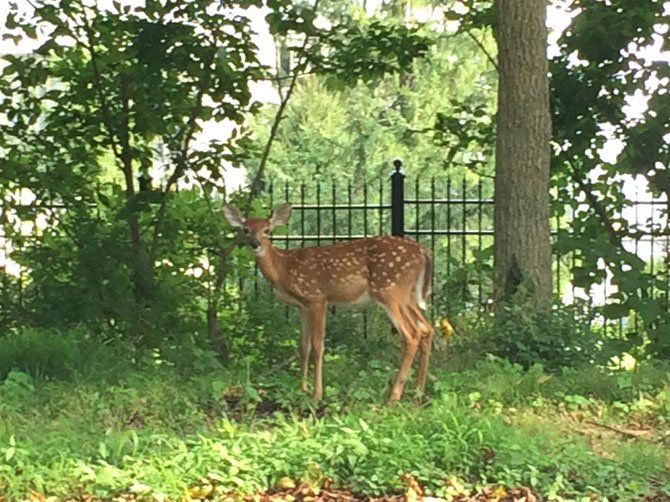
351 272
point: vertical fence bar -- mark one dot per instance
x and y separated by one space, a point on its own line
380 207
365 234
333 215
287 196
333 198
606 320
397 199
449 239
365 210
349 204
432 240
480 296
318 212
557 278
573 256
302 213
417 228
463 236
417 216
286 239
652 246
636 205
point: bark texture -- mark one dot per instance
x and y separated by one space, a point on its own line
522 236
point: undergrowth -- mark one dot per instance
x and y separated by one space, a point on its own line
161 430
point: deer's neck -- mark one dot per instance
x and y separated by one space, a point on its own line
269 262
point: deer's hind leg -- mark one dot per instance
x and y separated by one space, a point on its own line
425 347
305 347
396 308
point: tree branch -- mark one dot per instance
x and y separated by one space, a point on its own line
277 79
104 106
181 161
225 249
586 188
127 162
484 50
258 178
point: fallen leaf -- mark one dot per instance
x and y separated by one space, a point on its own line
285 483
199 492
413 492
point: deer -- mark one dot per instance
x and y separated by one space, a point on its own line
390 271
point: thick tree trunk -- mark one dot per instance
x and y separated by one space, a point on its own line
522 236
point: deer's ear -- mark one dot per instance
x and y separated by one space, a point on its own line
280 215
233 215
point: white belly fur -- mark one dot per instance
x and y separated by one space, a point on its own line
284 296
361 301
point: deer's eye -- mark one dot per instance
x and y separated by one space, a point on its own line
266 231
245 230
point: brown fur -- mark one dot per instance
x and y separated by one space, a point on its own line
383 270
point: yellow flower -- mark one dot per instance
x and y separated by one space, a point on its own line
445 328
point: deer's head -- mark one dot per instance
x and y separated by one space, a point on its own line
257 230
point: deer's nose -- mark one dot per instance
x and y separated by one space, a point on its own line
254 243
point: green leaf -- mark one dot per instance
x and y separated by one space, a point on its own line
103 451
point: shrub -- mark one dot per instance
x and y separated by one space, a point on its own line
42 353
50 354
555 338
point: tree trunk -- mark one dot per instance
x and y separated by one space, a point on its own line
143 273
522 236
216 337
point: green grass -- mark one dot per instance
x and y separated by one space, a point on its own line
160 430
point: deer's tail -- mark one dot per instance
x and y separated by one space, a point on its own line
422 289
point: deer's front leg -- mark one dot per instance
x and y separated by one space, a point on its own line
305 346
317 329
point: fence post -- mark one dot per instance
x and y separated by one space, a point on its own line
397 199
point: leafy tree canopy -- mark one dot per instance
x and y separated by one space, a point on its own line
112 95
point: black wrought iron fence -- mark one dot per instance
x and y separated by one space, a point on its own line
452 216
